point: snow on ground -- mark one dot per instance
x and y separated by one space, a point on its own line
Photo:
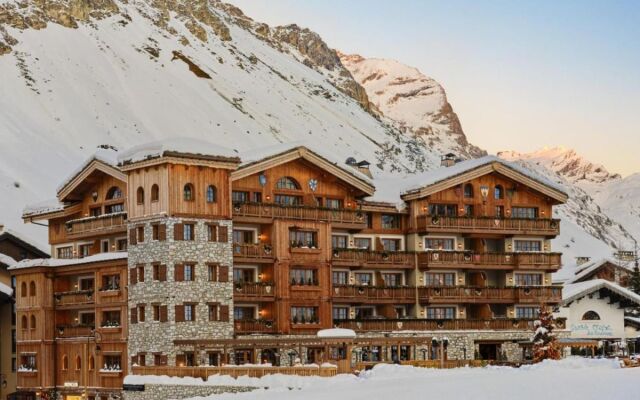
568 379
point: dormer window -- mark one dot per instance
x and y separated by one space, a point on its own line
188 192
498 192
287 182
468 191
114 193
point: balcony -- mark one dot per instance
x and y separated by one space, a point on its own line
508 295
387 325
74 298
487 225
71 331
471 260
249 252
254 326
267 212
372 294
366 258
103 224
254 291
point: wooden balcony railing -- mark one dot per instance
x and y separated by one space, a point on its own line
270 211
253 251
254 371
537 226
468 259
460 294
69 331
254 326
439 325
90 225
372 293
371 258
250 290
78 297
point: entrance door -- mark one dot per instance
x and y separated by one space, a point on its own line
489 351
315 355
243 356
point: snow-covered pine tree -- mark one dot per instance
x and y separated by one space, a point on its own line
545 343
634 280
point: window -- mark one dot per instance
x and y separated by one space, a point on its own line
468 191
498 192
33 322
111 318
439 279
213 312
499 212
288 200
340 313
528 279
23 289
524 212
155 309
65 363
189 231
391 244
257 197
14 364
368 219
362 243
214 358
212 194
189 272
78 363
443 210
84 250
340 278
338 242
304 277
159 272
104 244
28 362
439 244
244 313
85 283
390 221
363 278
528 245
242 236
189 312
112 362
334 203
287 182
243 275
304 315
140 272
187 192
114 193
65 252
469 210
527 312
392 280
140 195
121 244
141 313
365 312
239 197
87 318
24 323
110 282
155 192
303 239
441 312
591 316
159 359
95 211
114 208
140 234
32 288
155 232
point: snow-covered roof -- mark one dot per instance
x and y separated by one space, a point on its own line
6 260
27 242
578 290
42 207
336 333
184 146
57 262
6 289
584 270
416 182
105 154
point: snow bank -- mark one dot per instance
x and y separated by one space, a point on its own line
336 333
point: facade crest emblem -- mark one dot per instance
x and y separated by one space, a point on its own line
262 178
313 184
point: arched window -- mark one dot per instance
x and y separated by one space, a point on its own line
114 193
33 322
32 288
155 192
23 289
287 182
468 191
212 194
78 363
498 193
24 322
92 363
188 192
65 363
140 195
591 316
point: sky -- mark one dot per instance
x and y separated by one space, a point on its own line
520 75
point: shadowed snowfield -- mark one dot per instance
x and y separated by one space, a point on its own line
568 379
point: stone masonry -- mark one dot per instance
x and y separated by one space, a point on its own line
164 392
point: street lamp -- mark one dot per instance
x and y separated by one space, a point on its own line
97 337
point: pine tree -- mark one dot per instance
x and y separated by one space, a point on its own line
545 343
634 280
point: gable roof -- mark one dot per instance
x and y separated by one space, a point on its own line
575 291
583 271
424 184
23 242
258 160
58 262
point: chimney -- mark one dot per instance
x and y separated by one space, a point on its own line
1 228
362 166
582 260
448 160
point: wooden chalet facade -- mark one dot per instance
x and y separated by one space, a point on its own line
463 266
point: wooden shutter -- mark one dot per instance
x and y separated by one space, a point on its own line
223 234
133 237
224 313
163 314
179 313
181 360
162 232
178 272
223 273
178 232
162 273
134 315
140 269
133 276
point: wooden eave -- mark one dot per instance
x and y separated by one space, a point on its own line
303 153
382 207
558 196
68 210
72 268
93 166
176 158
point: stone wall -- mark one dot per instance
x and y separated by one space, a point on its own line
177 392
157 337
